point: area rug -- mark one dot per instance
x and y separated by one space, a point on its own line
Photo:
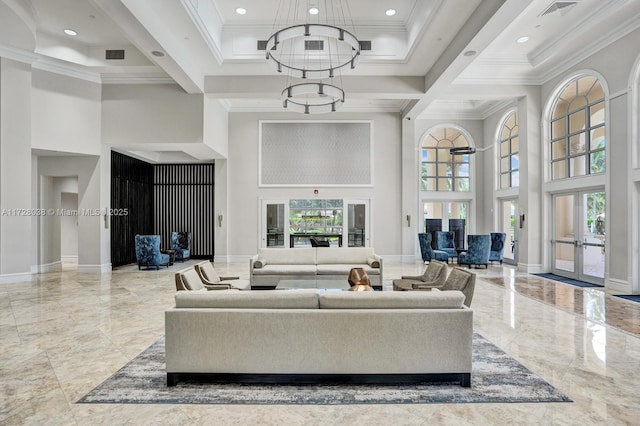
632 297
496 377
567 280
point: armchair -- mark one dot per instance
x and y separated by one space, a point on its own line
445 242
210 278
478 248
181 243
434 276
148 252
427 252
464 281
498 240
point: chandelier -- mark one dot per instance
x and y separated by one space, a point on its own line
312 47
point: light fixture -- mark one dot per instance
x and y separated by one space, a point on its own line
462 150
470 53
317 50
390 12
522 39
70 32
157 53
241 11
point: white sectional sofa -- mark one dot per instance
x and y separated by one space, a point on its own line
271 265
301 336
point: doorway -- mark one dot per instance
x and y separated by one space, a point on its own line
578 245
508 220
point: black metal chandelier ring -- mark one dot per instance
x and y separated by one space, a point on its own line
312 98
313 30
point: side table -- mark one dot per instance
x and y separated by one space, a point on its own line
172 255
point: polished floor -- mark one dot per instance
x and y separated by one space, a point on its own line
64 333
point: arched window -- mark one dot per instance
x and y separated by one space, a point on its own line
509 157
439 169
578 129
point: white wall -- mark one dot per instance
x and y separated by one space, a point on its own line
244 194
216 127
92 251
150 114
65 114
15 167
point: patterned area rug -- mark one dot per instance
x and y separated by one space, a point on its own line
496 377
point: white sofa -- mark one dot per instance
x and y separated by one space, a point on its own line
301 336
271 265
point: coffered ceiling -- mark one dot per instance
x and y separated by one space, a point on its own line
433 58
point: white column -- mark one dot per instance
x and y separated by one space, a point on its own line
15 169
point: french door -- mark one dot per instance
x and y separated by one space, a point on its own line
579 236
509 224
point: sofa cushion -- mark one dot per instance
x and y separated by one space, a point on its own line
191 279
373 262
266 299
286 270
288 256
357 255
343 269
392 300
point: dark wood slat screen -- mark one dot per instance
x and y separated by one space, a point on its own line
131 189
183 196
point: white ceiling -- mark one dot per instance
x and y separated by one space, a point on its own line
420 64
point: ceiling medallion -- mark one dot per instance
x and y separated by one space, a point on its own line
317 50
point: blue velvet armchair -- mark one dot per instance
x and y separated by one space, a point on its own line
427 252
478 248
148 252
498 240
181 243
445 242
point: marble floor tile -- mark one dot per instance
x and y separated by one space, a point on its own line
63 333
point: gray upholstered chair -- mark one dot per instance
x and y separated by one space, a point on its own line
462 280
498 241
445 242
478 249
427 252
434 276
210 278
148 252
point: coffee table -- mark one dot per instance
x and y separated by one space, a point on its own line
327 284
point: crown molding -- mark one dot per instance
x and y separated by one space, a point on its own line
616 34
193 13
46 64
136 78
18 55
540 54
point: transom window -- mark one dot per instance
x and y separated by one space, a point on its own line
439 170
578 130
509 148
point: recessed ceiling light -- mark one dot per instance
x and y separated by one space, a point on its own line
470 53
314 10
522 39
241 11
70 32
390 12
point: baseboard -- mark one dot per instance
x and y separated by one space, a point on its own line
49 267
535 268
95 269
398 258
16 278
69 258
621 286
